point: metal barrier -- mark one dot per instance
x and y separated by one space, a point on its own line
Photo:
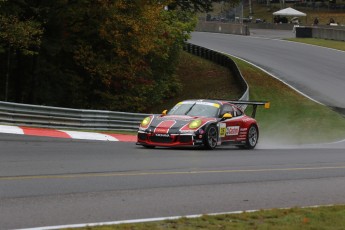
64 118
55 117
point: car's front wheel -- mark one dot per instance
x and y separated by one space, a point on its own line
252 137
211 137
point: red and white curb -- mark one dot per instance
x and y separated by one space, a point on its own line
66 134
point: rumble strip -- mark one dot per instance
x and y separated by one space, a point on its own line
66 134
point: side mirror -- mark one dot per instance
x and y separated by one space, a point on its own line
267 105
164 113
226 116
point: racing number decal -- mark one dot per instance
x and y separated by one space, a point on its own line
222 130
232 130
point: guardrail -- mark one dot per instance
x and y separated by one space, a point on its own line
64 118
55 117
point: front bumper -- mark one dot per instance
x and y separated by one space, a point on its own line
168 140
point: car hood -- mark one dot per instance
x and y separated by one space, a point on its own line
175 123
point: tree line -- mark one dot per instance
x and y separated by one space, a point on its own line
93 54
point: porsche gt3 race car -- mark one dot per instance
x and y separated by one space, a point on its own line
204 122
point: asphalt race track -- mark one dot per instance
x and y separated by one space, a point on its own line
47 181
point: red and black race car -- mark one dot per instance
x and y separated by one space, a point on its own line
202 122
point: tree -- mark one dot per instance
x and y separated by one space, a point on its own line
140 43
100 54
193 5
18 36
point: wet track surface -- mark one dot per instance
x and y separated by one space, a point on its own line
48 181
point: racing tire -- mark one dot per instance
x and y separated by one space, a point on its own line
211 137
252 137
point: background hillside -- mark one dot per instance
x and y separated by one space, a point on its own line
260 10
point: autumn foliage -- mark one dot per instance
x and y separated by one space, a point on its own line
97 54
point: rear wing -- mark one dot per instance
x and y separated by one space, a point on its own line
243 105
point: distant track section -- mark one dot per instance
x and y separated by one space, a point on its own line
316 71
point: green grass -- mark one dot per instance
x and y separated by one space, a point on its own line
201 79
292 119
282 219
339 45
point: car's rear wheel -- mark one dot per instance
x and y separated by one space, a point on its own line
211 137
252 137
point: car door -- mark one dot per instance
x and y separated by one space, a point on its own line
230 128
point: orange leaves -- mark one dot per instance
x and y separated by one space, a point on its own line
20 35
132 25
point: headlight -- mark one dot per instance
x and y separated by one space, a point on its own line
194 124
146 121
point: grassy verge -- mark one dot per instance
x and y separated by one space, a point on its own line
287 219
292 119
201 78
339 45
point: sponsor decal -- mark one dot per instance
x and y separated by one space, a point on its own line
198 141
247 119
174 117
232 130
187 131
162 135
160 130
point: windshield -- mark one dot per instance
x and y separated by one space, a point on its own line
192 108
